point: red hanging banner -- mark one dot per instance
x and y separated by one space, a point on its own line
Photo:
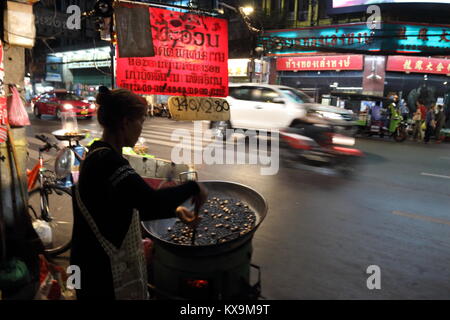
3 108
191 57
418 65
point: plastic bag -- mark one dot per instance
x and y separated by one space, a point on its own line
44 231
52 279
13 274
17 114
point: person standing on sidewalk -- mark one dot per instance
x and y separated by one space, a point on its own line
404 110
430 123
440 121
417 119
423 114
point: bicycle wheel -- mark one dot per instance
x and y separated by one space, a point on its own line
52 204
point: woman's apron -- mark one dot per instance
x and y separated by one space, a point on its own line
128 267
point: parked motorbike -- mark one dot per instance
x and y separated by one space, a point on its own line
319 146
391 125
397 129
161 110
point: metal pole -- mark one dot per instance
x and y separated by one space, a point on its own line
2 226
112 54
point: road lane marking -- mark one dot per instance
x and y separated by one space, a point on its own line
435 175
419 217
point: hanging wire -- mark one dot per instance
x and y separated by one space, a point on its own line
95 61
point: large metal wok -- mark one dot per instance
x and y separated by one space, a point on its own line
157 228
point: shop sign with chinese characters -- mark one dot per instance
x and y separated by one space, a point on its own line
191 57
418 65
393 36
319 63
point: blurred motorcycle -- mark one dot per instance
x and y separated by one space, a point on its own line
318 146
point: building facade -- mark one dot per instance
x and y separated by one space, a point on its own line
66 56
326 46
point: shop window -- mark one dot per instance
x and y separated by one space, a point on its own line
240 93
323 9
290 5
290 9
275 5
264 95
302 10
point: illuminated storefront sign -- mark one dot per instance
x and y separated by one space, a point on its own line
54 69
397 37
88 58
89 64
238 67
191 57
418 65
318 63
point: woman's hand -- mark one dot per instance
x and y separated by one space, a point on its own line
188 217
199 199
191 218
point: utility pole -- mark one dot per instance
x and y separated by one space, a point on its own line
112 54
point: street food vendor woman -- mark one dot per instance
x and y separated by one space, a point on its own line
111 199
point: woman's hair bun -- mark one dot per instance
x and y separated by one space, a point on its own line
103 96
104 90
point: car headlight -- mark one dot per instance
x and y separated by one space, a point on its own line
64 161
330 115
92 106
343 140
68 106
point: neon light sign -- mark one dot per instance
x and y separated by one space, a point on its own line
398 37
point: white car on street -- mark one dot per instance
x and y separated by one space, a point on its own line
264 107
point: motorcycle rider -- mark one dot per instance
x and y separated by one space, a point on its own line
314 126
392 111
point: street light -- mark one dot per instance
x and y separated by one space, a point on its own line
247 10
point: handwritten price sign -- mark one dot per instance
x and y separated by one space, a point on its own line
199 108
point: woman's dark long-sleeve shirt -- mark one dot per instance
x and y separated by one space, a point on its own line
110 189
